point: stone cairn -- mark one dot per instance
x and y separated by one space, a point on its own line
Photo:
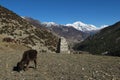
64 46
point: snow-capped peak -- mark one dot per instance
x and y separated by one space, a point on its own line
103 26
49 24
82 26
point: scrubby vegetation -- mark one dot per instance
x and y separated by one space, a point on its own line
13 25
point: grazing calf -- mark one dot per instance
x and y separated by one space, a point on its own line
30 55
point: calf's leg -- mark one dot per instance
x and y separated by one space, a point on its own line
27 63
35 62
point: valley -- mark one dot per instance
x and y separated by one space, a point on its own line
86 61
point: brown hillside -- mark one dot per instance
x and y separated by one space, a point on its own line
22 32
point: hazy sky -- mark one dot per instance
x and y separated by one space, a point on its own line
96 12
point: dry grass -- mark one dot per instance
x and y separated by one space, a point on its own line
61 67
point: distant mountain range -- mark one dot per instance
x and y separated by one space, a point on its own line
78 25
69 33
75 32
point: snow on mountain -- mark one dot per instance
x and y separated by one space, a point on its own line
103 26
49 24
78 25
82 26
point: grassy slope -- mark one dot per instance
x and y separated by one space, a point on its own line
61 67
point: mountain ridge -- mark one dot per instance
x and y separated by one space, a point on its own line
78 25
106 41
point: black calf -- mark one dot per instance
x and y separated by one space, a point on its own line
30 55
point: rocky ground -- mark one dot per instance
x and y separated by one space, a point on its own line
59 66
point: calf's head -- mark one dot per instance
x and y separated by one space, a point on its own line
20 66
